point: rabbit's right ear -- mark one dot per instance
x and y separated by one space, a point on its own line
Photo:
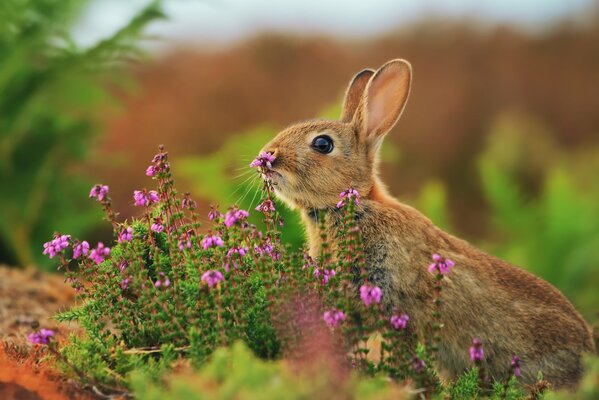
354 94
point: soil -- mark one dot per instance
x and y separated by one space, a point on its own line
29 299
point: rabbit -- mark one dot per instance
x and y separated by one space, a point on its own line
510 310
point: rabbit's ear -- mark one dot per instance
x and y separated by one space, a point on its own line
385 98
354 94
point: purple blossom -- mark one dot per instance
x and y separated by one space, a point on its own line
125 283
333 317
268 249
56 245
235 215
477 352
370 294
265 159
242 251
326 274
100 192
400 322
188 202
80 249
151 171
157 227
418 365
185 240
214 213
266 206
123 265
516 367
162 280
349 194
145 198
212 277
99 253
212 241
441 266
41 337
125 235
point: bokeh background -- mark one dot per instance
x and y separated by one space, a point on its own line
499 142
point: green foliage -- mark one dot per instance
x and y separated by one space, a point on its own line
553 230
235 373
51 90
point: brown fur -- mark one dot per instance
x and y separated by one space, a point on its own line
509 309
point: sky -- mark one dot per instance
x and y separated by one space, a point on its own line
222 22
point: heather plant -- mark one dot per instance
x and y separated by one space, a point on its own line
163 294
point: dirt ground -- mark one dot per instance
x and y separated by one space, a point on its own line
30 298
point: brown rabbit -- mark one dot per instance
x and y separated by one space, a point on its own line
511 311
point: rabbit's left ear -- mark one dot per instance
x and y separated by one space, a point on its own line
354 94
384 99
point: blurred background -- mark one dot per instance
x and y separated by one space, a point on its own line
499 143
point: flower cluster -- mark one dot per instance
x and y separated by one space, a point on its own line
99 192
212 241
55 246
441 266
99 253
125 235
235 215
80 249
42 336
370 294
325 275
265 159
333 317
212 278
516 370
399 322
143 198
348 195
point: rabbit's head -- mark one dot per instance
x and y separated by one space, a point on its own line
316 160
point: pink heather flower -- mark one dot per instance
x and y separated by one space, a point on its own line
418 365
125 235
56 245
123 265
441 266
516 367
266 206
326 274
242 251
349 194
333 317
125 283
476 351
212 241
185 240
268 249
99 253
263 160
235 215
211 278
145 198
370 294
188 203
151 171
41 337
214 213
80 249
99 192
400 322
309 262
157 227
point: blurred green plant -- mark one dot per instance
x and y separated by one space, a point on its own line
235 373
52 91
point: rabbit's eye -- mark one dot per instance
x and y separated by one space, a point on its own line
323 144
